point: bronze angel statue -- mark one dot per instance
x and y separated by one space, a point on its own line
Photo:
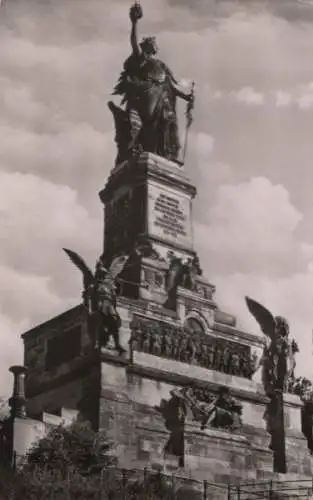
149 91
278 360
100 296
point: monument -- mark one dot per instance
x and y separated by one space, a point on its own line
149 357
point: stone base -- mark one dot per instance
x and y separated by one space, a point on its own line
223 457
155 200
298 458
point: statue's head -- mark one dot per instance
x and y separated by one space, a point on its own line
281 326
148 46
100 265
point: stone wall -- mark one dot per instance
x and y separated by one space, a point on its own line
39 344
80 394
130 393
298 457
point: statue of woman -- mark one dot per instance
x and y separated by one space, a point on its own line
149 91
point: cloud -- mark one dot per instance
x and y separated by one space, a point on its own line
289 296
204 144
25 295
305 96
250 238
209 173
249 96
283 99
18 103
37 219
25 299
254 218
12 350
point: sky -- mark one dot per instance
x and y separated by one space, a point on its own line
250 150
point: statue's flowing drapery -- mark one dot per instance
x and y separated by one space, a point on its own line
147 87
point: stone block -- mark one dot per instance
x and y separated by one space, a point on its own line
292 412
26 432
298 458
213 453
253 414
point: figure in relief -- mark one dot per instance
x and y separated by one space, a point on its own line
278 355
174 413
149 92
173 280
100 296
180 273
221 411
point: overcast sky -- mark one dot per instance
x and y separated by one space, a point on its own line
250 153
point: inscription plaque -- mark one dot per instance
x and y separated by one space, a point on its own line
170 216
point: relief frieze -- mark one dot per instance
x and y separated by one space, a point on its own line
173 342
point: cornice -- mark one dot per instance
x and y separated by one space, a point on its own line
83 369
232 332
185 380
50 323
147 166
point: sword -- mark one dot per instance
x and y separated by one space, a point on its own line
189 119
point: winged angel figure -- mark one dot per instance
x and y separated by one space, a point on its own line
278 359
100 295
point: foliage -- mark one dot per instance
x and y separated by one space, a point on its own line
76 447
8 482
4 409
66 464
76 463
111 484
154 487
54 485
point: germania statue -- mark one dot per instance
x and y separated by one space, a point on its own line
147 121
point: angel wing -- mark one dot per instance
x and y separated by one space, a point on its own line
124 84
81 265
117 265
262 316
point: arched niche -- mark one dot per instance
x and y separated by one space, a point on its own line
195 323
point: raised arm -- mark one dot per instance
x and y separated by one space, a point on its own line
134 39
135 14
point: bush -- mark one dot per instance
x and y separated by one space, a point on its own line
65 464
76 447
76 463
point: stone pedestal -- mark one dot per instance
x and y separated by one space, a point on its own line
130 393
147 204
298 458
148 196
222 456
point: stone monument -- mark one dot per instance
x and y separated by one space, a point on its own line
176 390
